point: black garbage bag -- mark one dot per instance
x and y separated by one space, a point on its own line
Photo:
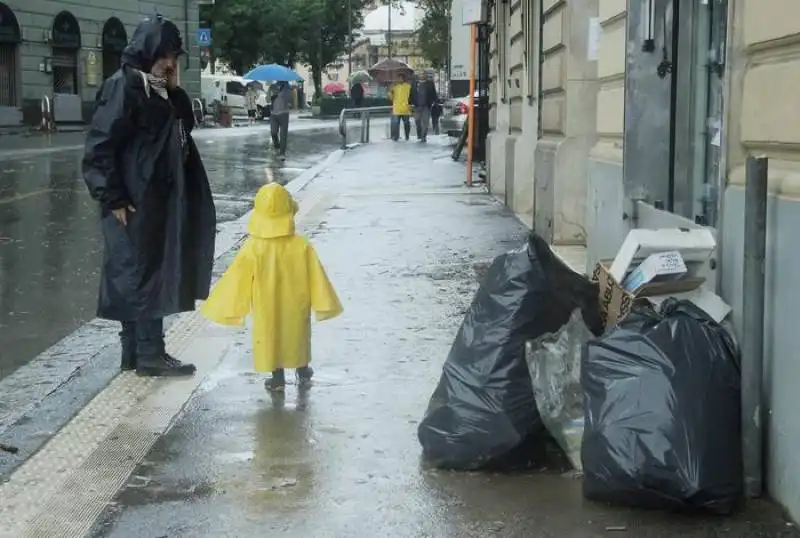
662 425
483 413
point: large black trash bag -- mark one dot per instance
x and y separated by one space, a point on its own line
483 414
662 425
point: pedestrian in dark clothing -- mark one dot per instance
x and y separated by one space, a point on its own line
436 115
157 214
279 119
357 94
423 97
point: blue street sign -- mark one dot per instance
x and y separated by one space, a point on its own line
204 37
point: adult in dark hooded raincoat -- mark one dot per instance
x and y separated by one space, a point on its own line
157 214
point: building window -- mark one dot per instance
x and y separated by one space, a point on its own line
234 87
531 63
10 38
66 43
502 49
65 72
115 39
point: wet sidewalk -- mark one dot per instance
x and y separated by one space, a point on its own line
404 241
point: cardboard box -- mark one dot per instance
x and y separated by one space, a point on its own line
696 245
616 302
656 267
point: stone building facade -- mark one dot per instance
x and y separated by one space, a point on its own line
65 50
542 109
613 114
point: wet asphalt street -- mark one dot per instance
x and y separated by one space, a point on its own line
404 243
50 246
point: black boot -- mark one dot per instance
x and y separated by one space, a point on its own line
127 339
128 361
163 365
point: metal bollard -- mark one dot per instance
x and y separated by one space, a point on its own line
48 123
365 115
343 127
364 128
199 112
755 246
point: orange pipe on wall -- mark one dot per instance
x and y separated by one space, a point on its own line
471 119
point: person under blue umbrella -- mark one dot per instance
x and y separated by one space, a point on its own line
279 118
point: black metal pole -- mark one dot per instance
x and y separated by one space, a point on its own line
349 39
755 247
389 32
449 50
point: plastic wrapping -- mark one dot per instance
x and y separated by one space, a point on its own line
663 427
554 361
483 413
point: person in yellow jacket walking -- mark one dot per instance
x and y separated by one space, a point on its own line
400 95
277 277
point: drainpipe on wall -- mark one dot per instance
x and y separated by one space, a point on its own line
540 55
186 33
755 246
389 31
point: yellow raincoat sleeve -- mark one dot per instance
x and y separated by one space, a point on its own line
324 301
231 299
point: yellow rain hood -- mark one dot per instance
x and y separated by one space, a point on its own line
274 213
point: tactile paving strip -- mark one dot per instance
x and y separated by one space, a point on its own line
47 498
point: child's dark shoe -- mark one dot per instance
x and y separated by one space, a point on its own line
276 383
304 376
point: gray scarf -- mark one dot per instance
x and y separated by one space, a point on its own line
158 85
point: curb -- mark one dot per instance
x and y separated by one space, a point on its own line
304 180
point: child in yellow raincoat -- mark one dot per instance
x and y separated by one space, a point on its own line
277 277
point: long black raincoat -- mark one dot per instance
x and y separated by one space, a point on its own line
139 152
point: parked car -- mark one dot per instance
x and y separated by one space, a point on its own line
454 115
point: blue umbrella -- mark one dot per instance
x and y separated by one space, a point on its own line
272 72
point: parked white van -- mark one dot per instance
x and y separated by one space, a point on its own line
232 90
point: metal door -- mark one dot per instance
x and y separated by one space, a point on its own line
65 72
8 75
708 184
699 104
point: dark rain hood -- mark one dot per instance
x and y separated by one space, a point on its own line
154 38
140 153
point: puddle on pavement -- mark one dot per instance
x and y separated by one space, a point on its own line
142 490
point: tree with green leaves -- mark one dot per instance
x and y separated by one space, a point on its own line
434 32
250 32
327 33
237 30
